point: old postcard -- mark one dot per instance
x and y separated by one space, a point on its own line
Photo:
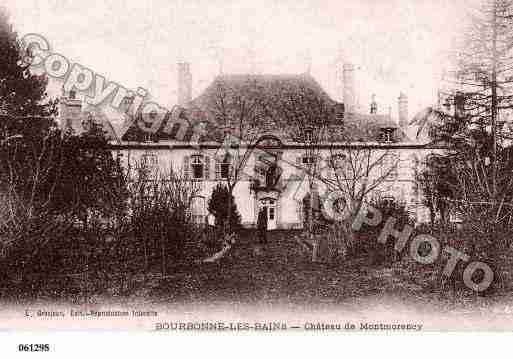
277 167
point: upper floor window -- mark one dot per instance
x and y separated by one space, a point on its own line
149 159
197 166
264 162
223 167
308 160
389 166
388 202
339 165
337 160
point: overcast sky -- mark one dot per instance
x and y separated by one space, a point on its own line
398 45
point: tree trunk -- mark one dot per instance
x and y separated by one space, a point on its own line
230 190
310 209
163 253
494 103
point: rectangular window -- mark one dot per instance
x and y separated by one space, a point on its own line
225 170
149 159
197 167
339 166
198 210
388 201
309 135
387 135
389 166
308 160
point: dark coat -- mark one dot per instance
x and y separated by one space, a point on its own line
262 226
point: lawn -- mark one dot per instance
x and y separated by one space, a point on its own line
284 273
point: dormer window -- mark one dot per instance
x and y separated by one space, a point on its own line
308 133
387 135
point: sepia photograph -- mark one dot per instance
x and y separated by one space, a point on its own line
274 167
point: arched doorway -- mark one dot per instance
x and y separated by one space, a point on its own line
269 206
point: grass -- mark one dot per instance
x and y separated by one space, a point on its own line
284 273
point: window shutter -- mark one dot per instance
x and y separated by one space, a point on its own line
334 166
206 168
301 171
218 169
318 164
187 167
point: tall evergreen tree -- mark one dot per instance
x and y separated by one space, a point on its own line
22 93
476 130
219 205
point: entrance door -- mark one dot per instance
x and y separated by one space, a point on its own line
269 204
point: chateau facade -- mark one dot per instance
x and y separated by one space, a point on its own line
296 168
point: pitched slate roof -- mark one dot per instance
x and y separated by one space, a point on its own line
271 90
270 85
368 127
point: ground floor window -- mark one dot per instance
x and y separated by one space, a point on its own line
199 211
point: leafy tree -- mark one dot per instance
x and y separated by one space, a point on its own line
389 207
92 182
218 205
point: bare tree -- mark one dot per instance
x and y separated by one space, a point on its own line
160 207
309 115
27 189
356 171
239 110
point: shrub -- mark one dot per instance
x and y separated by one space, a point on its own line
367 239
218 205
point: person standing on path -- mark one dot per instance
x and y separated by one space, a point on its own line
262 226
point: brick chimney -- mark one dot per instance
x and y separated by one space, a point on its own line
70 112
402 102
184 83
373 105
459 105
349 95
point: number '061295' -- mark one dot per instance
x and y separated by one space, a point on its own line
34 347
